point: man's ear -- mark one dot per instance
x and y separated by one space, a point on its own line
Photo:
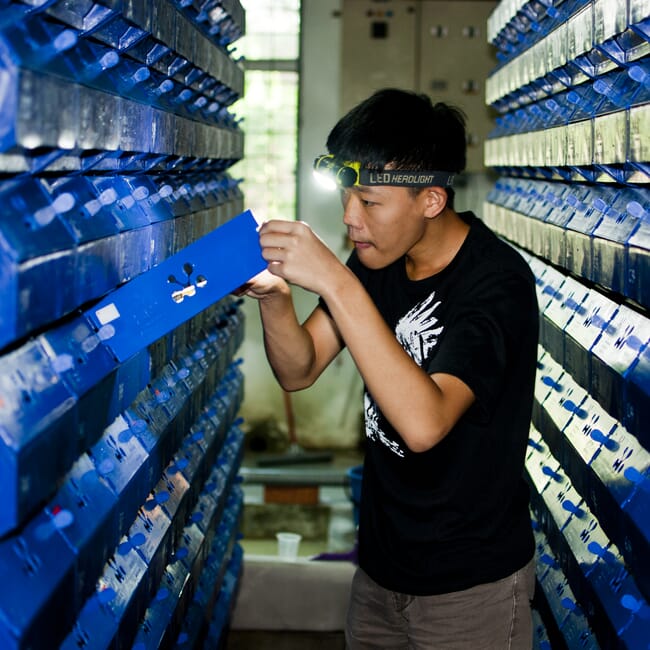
435 201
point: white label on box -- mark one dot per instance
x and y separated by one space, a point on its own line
107 314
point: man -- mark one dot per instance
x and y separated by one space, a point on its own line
440 317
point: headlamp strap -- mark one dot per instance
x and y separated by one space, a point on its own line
349 173
401 177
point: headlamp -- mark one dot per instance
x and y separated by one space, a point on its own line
348 173
344 174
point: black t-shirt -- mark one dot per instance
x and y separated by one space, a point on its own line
456 515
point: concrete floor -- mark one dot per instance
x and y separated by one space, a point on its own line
253 640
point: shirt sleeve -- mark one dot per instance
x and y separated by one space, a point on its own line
486 330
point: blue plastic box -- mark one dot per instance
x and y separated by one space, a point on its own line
171 293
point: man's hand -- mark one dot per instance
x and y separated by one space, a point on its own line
263 286
296 254
298 352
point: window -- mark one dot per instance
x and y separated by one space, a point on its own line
269 107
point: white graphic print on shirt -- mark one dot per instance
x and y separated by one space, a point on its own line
418 335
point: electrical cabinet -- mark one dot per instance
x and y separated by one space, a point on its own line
437 47
378 48
454 60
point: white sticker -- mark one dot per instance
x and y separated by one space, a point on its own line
107 314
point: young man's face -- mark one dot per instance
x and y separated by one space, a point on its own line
383 222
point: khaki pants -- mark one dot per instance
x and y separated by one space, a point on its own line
493 616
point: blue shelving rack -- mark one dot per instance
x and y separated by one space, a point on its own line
121 505
570 146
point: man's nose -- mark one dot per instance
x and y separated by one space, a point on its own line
351 211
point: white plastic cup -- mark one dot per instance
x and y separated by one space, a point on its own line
288 545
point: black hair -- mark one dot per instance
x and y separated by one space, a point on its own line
403 129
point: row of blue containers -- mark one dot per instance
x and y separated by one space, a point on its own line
147 586
560 621
109 481
603 344
588 464
220 620
589 566
158 435
145 71
199 31
62 389
580 41
50 124
538 18
571 90
616 90
85 235
609 467
208 614
123 24
532 22
107 87
598 232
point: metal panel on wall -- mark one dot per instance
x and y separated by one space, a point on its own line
378 48
437 47
454 61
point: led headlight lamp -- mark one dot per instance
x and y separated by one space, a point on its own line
348 173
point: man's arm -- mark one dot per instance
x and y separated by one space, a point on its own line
422 408
297 353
